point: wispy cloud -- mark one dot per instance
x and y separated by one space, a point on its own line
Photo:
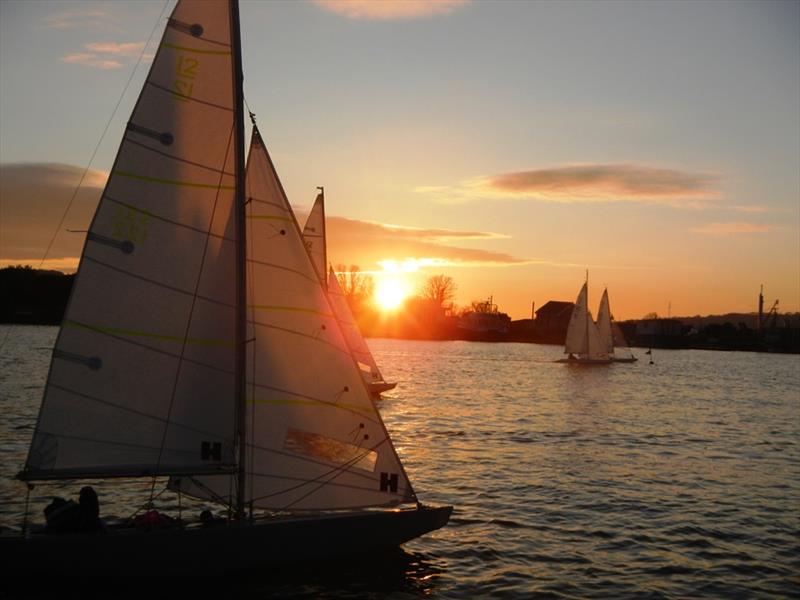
368 243
88 59
731 228
584 183
71 19
107 55
385 10
123 49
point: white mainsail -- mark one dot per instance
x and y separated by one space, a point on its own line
355 341
141 380
604 325
583 338
314 236
315 439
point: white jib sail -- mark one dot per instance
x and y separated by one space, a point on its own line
604 325
314 236
352 334
315 439
141 379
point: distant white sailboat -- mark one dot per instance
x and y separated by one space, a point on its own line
584 344
610 331
199 344
315 237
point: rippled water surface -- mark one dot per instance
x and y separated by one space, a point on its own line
668 480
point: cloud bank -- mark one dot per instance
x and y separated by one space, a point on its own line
385 10
585 183
34 196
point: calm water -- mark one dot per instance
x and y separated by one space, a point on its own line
672 480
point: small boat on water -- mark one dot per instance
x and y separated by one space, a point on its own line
315 236
587 342
199 347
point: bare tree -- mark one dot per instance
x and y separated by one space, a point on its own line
357 286
439 288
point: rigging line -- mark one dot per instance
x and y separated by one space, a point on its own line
254 345
165 219
116 443
94 153
157 283
214 496
313 461
194 297
350 486
173 93
120 338
102 135
300 333
277 266
140 413
175 158
334 473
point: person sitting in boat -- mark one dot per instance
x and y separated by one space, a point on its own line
68 516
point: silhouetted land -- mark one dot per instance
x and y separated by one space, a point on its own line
32 296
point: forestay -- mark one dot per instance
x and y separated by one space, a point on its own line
315 440
141 380
355 341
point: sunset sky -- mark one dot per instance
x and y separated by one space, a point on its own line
510 145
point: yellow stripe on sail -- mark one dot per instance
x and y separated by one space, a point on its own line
195 50
315 403
149 335
269 218
173 181
312 311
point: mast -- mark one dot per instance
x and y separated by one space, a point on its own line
587 313
241 257
324 274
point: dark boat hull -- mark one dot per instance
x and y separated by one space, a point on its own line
379 387
220 548
585 361
631 359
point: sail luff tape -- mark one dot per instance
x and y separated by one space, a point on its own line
93 362
165 137
124 246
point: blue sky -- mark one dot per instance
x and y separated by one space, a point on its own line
655 143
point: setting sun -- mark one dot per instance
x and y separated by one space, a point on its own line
390 293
